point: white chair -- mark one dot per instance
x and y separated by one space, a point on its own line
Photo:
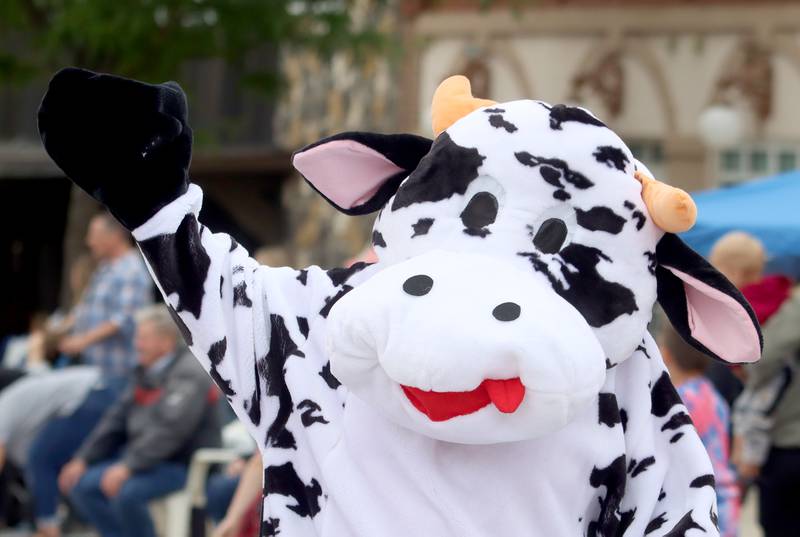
172 514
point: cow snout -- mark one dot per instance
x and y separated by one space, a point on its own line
465 348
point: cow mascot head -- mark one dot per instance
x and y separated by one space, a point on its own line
523 251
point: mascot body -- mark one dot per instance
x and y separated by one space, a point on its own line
492 373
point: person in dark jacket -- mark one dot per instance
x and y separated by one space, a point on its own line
141 448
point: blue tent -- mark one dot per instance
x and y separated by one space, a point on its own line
768 208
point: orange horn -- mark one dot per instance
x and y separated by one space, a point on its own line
453 100
672 209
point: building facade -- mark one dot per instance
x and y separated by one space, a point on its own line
650 69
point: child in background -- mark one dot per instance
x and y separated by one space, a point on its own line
710 414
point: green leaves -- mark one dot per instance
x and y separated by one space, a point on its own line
151 39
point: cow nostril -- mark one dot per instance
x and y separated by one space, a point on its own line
507 311
418 285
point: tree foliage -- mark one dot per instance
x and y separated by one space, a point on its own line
151 39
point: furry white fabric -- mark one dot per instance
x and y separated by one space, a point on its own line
517 266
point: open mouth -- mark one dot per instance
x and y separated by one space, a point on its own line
506 395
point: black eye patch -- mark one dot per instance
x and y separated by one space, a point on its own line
479 213
550 236
600 219
418 285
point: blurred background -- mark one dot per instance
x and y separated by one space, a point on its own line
705 92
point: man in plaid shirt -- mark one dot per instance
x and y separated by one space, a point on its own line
102 333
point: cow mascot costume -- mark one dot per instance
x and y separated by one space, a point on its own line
492 373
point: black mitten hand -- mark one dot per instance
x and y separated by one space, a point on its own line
124 142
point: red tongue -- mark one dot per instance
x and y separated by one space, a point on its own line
506 395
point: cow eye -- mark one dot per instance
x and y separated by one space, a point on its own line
418 285
550 236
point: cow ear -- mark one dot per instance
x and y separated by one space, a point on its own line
358 172
703 306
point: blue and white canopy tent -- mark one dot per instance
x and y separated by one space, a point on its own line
767 208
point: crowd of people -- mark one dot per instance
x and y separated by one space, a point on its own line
748 417
102 406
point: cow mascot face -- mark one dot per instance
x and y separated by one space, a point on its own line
523 253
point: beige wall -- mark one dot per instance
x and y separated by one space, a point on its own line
671 59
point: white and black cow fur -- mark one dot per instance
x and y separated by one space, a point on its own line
516 253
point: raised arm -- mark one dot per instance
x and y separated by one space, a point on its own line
128 144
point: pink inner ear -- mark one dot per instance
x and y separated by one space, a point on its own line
346 172
719 322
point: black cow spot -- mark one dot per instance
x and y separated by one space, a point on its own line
600 219
576 179
561 195
221 283
419 285
608 411
331 300
446 170
328 377
629 205
706 480
283 480
714 518
272 368
184 330
611 156
663 396
640 219
598 300
675 438
479 213
625 520
609 365
550 236
643 350
494 110
561 113
422 227
340 275
237 269
652 262
254 410
308 417
612 477
180 263
302 276
270 527
216 353
642 465
684 524
623 418
551 176
240 297
677 420
302 324
477 232
656 523
498 122
661 495
377 239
